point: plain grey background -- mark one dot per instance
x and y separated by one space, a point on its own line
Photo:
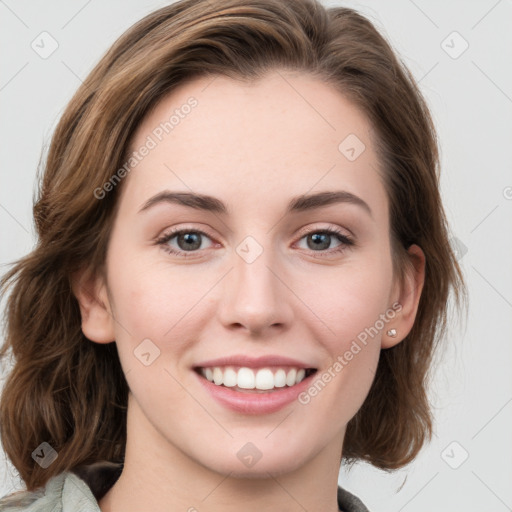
461 54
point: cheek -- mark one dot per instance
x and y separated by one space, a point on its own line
148 296
355 312
152 301
351 301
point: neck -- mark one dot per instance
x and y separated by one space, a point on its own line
158 476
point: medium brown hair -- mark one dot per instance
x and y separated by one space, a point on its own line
71 392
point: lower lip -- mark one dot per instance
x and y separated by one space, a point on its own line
255 403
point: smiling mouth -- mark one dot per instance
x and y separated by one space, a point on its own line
255 380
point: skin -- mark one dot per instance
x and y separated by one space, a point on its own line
254 147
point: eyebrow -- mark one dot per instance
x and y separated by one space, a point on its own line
302 203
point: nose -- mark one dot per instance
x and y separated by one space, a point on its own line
255 296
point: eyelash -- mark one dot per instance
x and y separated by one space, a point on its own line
345 240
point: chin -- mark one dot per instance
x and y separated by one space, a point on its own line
240 465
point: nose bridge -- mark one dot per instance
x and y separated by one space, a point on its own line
254 296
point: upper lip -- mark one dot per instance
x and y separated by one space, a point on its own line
253 362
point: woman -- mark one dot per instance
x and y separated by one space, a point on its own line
242 269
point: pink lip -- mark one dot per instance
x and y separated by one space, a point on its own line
253 362
254 403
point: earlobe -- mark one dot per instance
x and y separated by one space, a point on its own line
409 298
91 293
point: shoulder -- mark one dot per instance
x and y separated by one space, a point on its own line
348 502
63 492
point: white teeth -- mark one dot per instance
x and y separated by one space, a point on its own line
230 378
280 378
247 378
218 376
291 377
264 379
208 373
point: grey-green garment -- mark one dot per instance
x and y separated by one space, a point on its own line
80 490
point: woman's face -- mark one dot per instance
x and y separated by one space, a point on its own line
266 281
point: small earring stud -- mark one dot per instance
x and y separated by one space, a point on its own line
392 333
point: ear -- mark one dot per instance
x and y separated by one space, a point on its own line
408 296
91 292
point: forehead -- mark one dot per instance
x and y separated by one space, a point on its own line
285 134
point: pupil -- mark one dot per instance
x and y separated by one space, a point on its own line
318 238
191 238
